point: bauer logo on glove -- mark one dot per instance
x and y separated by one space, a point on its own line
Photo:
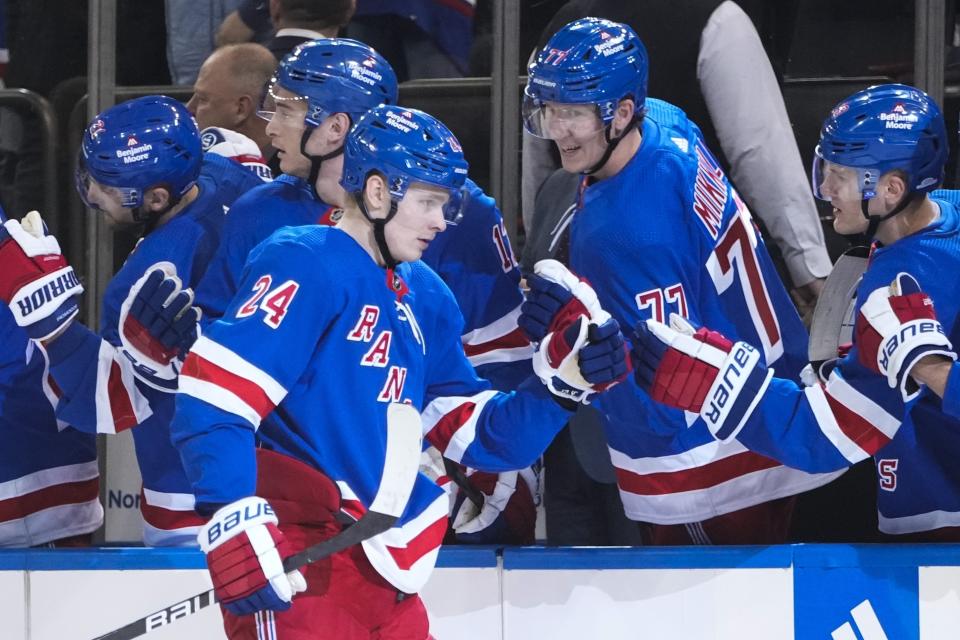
700 371
895 328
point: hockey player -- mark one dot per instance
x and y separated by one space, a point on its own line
659 229
49 481
331 324
140 165
881 152
319 91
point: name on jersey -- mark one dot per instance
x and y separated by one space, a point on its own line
378 354
135 154
710 191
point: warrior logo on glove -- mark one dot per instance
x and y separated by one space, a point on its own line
35 279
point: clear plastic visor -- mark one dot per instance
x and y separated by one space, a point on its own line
279 106
835 182
127 197
456 206
557 120
424 199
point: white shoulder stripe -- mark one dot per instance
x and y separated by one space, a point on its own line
218 397
229 360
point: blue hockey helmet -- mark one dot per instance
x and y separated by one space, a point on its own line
140 144
590 61
333 75
405 146
880 129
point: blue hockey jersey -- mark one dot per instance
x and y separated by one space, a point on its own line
287 201
324 338
474 258
49 480
104 391
856 414
669 234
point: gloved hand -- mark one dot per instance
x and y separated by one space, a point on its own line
245 553
896 327
237 147
158 322
555 300
699 371
582 360
581 350
41 289
508 515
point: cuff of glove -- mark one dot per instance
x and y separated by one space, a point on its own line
234 519
735 392
908 387
73 338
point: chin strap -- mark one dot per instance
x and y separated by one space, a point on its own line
611 145
873 222
315 161
379 228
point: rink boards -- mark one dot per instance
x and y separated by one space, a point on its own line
804 592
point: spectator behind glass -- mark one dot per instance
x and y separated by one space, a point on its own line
227 91
420 38
190 30
250 22
710 62
298 21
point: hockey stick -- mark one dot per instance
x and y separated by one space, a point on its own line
832 323
401 467
455 473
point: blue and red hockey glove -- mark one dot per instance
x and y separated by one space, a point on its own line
245 552
699 371
41 289
581 350
896 327
158 324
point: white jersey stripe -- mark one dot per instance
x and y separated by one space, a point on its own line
227 359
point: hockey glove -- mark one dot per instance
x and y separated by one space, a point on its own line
895 328
35 280
582 360
509 513
237 147
245 553
699 371
556 299
158 323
